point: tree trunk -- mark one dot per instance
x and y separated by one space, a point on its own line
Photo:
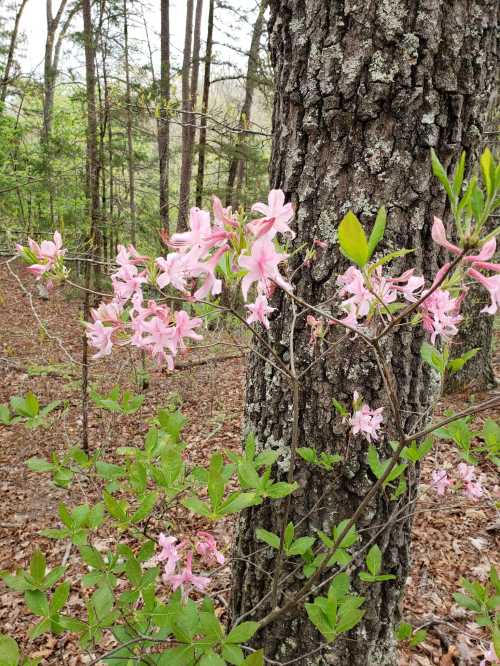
4 84
202 148
189 120
363 92
186 119
164 122
236 166
130 143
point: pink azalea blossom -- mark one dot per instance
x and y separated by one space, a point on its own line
412 284
440 481
99 336
47 253
276 209
259 311
169 554
366 420
262 265
199 224
159 338
223 216
108 312
173 271
186 579
126 281
184 326
212 285
352 282
439 236
441 314
207 549
472 488
492 284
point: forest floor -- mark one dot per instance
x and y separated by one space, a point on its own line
452 536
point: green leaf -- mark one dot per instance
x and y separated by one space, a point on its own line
102 601
41 628
172 423
349 620
281 489
178 656
486 162
458 176
301 546
9 652
403 631
37 602
440 173
255 659
352 240
38 565
212 659
237 502
4 416
195 505
307 454
233 654
145 508
431 356
378 231
456 364
39 465
271 539
59 597
242 632
374 560
92 557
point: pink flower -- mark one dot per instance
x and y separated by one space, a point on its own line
366 420
126 281
472 488
99 336
207 548
485 254
47 253
492 284
184 328
169 554
277 209
108 312
186 579
440 481
173 271
160 337
439 237
199 223
212 285
223 216
259 311
441 314
262 265
413 284
466 472
353 283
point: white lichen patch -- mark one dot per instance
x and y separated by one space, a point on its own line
382 68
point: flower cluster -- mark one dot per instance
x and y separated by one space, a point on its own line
183 578
44 258
466 478
365 420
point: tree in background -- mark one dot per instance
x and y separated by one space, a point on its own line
164 122
4 83
362 94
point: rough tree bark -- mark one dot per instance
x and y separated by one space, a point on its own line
4 83
237 160
164 123
363 92
202 147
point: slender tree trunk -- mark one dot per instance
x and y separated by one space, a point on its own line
202 149
363 93
235 165
187 119
164 121
4 84
130 143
